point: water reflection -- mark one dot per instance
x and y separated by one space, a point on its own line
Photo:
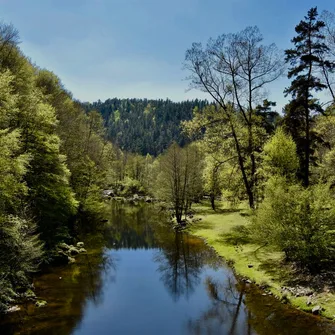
180 265
141 277
67 290
227 313
132 227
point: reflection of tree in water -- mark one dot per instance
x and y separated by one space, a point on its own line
181 259
226 314
67 291
270 316
98 269
133 226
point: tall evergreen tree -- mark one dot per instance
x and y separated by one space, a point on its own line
305 59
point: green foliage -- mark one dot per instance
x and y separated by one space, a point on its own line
179 180
280 155
53 161
298 221
20 254
306 60
145 126
212 176
13 163
50 195
132 186
91 161
325 149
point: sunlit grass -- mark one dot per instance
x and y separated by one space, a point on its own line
260 264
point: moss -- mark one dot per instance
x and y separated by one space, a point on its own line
261 264
41 303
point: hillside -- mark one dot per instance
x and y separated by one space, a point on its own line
145 126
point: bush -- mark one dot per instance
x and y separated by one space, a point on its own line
298 221
131 187
20 253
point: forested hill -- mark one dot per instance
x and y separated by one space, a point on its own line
145 126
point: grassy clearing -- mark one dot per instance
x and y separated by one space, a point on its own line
260 264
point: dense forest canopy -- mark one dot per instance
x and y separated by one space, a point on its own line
145 126
53 162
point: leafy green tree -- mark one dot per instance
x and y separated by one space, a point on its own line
212 180
298 221
13 163
20 247
179 180
50 196
88 155
325 149
280 155
20 255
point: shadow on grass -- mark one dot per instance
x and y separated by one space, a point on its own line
200 225
278 270
238 235
205 207
210 211
269 262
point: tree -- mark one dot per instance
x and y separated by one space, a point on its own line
324 171
213 184
20 246
234 70
179 179
217 145
280 155
13 163
328 60
88 155
298 221
50 195
306 59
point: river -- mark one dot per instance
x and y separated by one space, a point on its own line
141 277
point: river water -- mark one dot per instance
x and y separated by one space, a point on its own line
141 277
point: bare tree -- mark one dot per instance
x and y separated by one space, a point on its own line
328 63
9 39
234 70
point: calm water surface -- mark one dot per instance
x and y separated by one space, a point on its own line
140 277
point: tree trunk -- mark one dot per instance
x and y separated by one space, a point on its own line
179 215
248 188
212 201
307 152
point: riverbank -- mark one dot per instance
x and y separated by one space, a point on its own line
260 264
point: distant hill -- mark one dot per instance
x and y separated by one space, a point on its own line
145 126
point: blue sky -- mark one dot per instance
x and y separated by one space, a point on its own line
135 48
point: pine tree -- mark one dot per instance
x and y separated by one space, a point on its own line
305 59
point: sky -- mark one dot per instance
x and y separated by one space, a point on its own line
135 48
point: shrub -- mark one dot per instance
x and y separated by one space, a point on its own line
132 186
20 253
299 221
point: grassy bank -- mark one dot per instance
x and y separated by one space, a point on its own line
260 264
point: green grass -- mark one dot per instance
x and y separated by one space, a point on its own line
268 268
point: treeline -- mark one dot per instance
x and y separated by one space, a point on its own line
145 126
54 161
281 165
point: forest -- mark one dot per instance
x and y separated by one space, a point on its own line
145 126
59 154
